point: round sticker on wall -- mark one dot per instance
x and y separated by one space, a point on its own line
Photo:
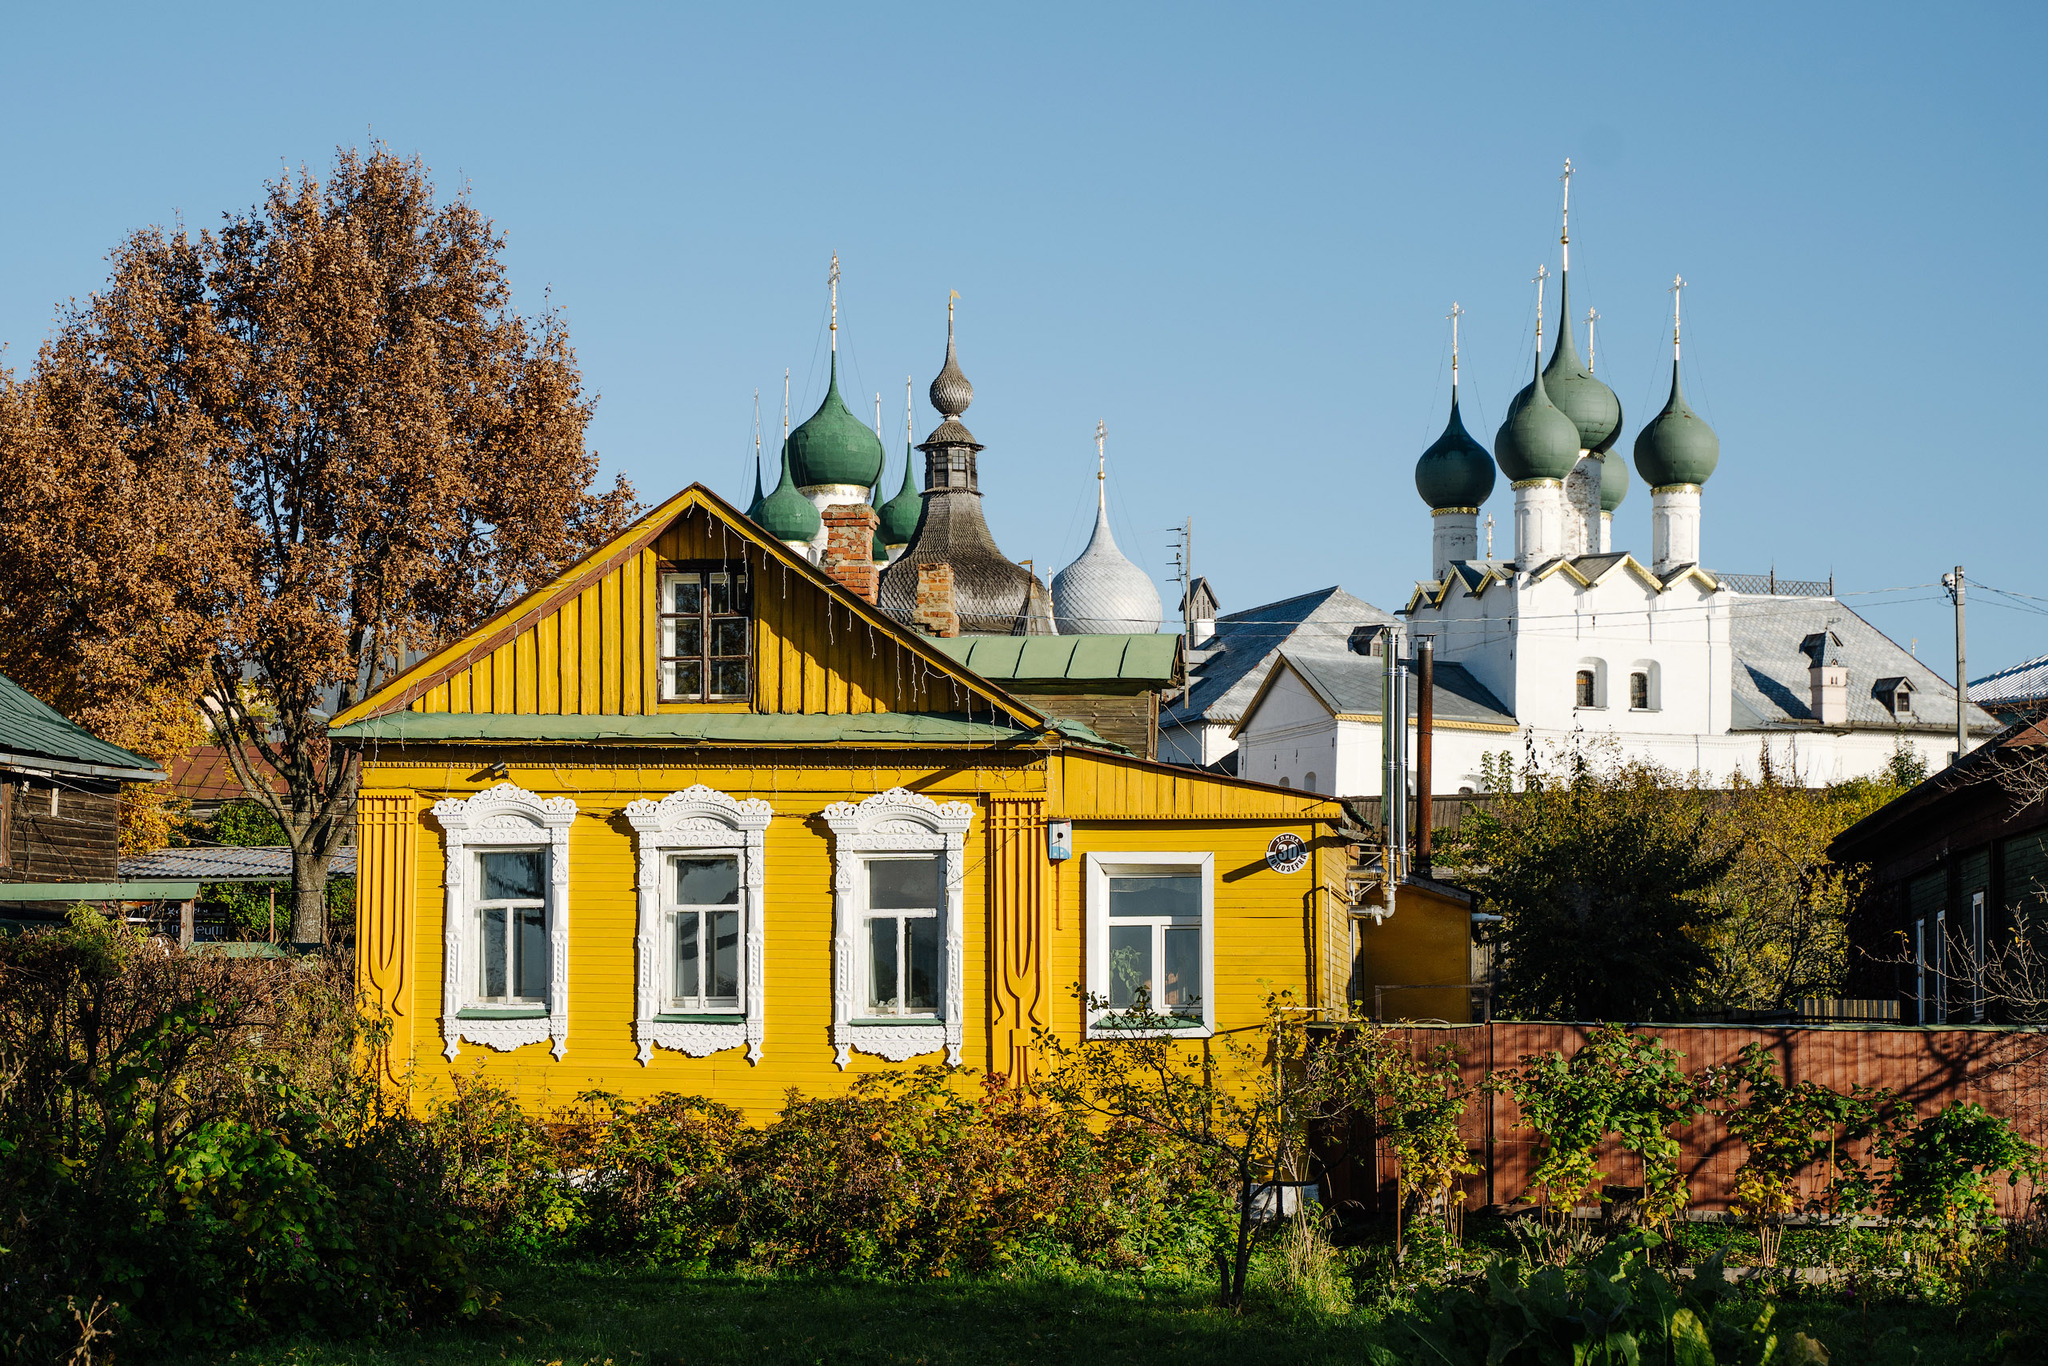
1287 854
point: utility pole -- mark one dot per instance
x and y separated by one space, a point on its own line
1954 584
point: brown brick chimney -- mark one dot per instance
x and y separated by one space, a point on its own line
935 611
850 547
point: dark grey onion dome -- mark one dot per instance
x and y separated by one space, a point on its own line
1590 404
1456 471
950 392
1102 592
1677 447
991 594
1537 441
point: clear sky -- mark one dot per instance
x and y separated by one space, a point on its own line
1231 233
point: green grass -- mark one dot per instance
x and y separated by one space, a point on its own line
575 1314
630 1317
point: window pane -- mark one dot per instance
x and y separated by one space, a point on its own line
1130 963
1183 987
686 595
1639 691
513 877
533 955
924 963
882 962
725 953
742 598
689 638
729 635
903 884
686 955
686 678
494 954
721 593
707 882
729 678
1174 895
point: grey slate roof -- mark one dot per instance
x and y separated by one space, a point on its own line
1771 685
1238 657
254 863
1351 684
2026 682
31 729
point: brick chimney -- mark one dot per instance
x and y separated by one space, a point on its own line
850 547
935 600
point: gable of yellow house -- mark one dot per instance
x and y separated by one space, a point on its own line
694 817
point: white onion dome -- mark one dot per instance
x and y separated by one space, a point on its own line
1102 592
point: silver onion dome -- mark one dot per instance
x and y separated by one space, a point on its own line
1103 593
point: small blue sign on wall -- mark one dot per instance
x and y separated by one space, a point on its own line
1059 840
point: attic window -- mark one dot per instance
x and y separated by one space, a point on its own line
1370 641
1897 694
706 634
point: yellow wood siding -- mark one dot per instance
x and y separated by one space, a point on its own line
596 652
1025 918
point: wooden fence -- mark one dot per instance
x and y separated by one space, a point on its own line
1930 1068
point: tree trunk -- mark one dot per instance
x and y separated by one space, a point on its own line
309 897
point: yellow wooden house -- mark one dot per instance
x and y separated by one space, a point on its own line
696 817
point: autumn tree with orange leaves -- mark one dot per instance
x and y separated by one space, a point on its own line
270 462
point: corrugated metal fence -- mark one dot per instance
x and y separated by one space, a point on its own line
1930 1068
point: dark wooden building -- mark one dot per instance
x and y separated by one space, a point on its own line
1956 863
1109 683
60 813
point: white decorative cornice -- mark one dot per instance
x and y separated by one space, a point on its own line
502 817
698 817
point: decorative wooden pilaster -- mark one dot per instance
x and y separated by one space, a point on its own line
387 844
1017 933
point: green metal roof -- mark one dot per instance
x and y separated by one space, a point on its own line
786 514
1009 659
32 731
711 728
833 446
98 891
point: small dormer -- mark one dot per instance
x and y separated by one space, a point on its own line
1370 641
1819 646
1897 696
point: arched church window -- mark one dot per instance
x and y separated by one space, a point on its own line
1285 783
1308 781
1639 691
1585 688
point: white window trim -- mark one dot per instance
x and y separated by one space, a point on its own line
503 817
1101 867
896 822
697 818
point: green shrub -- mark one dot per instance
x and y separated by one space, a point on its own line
1942 1166
656 1176
190 1155
503 1171
1617 1309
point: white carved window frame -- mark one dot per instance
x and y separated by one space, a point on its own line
697 819
503 817
896 822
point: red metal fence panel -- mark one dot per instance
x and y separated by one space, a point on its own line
1930 1068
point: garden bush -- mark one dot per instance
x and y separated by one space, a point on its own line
190 1154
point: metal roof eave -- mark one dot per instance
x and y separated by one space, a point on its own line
41 764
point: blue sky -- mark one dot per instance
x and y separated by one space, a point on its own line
1232 233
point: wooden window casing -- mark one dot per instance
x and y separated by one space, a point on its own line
707 632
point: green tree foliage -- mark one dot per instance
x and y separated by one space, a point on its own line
1942 1167
1600 872
1630 893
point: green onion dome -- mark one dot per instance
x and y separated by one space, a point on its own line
1677 447
1537 441
1613 481
900 514
1456 471
754 504
1591 405
832 446
786 514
